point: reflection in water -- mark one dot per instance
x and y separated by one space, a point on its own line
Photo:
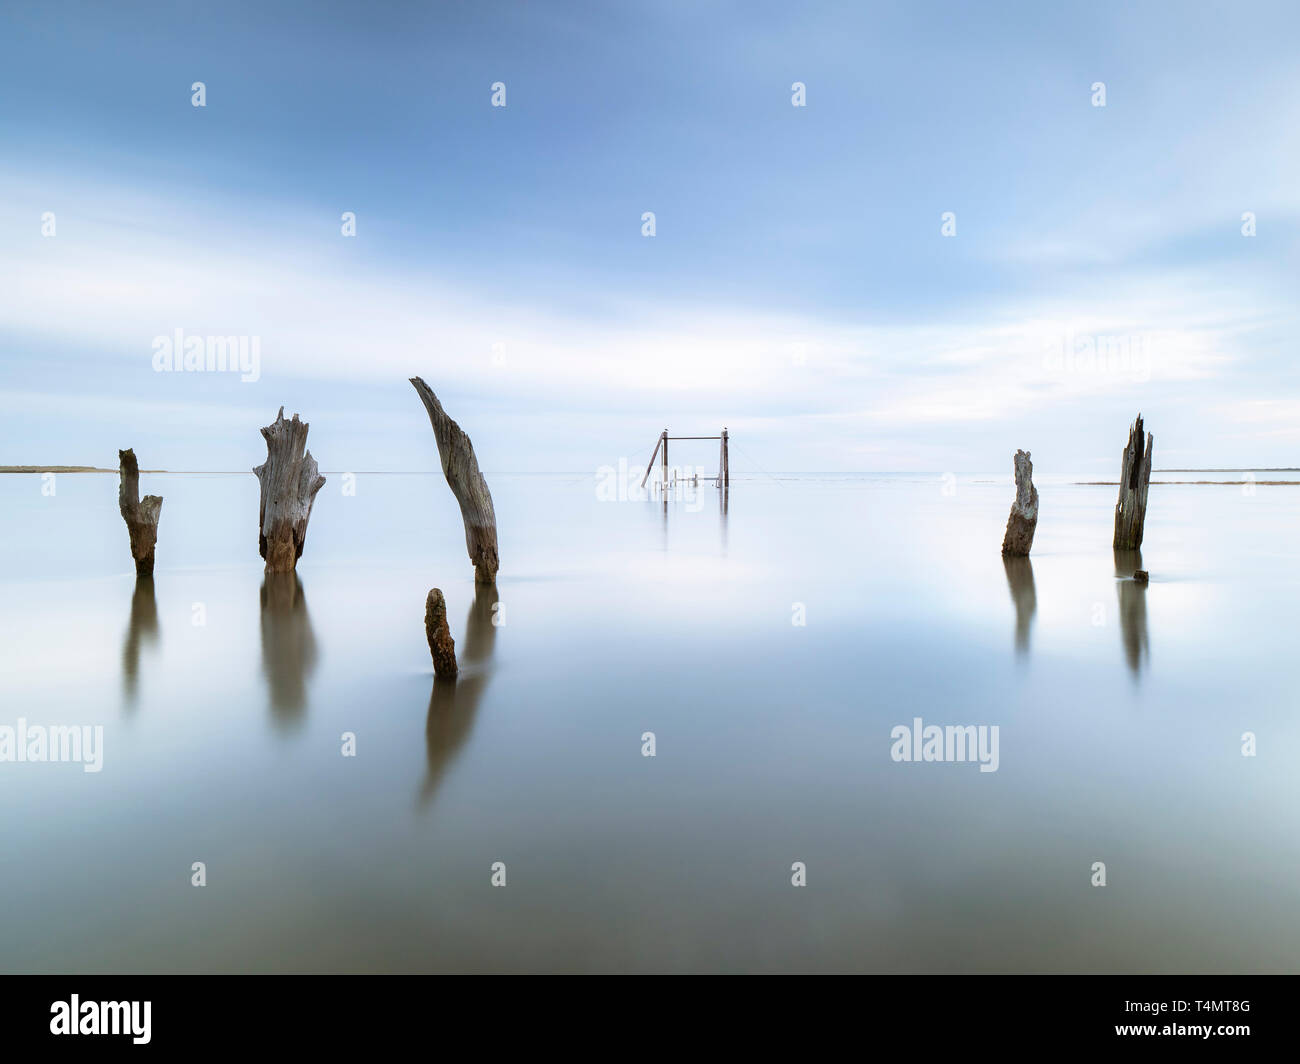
142 628
1132 609
453 703
1020 579
288 645
722 513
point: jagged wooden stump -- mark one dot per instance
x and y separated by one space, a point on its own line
461 470
1135 476
441 644
1023 520
290 480
141 515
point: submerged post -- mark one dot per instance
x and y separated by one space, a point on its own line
460 467
1135 477
664 437
441 645
725 472
141 515
1023 519
290 480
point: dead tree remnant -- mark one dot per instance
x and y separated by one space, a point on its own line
441 645
1135 477
141 515
290 480
460 467
1019 536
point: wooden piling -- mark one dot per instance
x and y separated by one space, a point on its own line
1135 477
460 467
289 480
141 515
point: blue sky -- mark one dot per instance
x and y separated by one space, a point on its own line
797 289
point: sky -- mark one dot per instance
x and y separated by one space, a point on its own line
798 288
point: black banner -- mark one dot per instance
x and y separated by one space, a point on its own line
1225 1014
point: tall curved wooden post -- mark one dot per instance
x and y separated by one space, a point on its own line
460 467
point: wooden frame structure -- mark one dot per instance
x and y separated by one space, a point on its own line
723 479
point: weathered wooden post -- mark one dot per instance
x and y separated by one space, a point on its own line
290 480
141 515
724 472
441 645
1135 476
664 437
460 467
1023 519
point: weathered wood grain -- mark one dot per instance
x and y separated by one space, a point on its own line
141 515
290 480
1135 478
460 467
1019 537
441 645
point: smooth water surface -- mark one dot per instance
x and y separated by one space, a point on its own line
225 697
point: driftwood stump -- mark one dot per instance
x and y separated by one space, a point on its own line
141 515
461 470
1019 536
290 480
441 644
1135 476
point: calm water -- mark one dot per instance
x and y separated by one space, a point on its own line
1120 710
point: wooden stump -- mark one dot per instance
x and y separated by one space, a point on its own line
290 480
1135 476
141 515
441 644
1019 537
461 470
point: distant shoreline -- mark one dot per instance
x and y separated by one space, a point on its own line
61 469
